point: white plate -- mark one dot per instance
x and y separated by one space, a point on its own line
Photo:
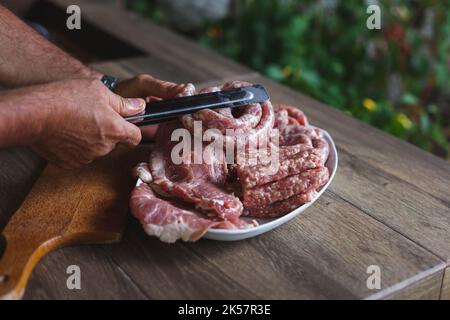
269 224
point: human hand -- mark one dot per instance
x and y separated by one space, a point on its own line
150 88
83 121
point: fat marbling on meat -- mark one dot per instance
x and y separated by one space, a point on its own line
183 200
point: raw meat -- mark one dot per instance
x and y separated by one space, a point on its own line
164 219
248 121
183 200
198 184
292 115
289 164
280 208
285 188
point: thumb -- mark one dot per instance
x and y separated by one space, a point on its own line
127 107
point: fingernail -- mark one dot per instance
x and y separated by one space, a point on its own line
136 103
187 90
190 89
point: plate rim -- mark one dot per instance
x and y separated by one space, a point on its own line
276 222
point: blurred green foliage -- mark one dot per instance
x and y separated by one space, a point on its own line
396 78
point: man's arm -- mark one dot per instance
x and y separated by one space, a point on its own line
72 122
68 122
27 58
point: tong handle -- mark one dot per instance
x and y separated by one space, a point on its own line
166 110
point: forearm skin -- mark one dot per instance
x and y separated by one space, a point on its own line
23 115
27 58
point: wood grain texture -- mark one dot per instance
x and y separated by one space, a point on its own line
156 42
101 278
322 254
393 181
20 167
66 207
388 206
383 195
445 290
425 289
208 269
126 68
113 68
380 149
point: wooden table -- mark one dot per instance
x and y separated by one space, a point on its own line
388 206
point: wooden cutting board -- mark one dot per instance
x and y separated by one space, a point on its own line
67 207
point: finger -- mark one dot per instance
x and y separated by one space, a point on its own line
137 120
186 90
126 107
148 132
149 86
131 134
152 99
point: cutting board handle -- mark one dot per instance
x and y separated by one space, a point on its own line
67 207
20 257
17 263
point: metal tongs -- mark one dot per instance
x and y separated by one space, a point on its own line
166 110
